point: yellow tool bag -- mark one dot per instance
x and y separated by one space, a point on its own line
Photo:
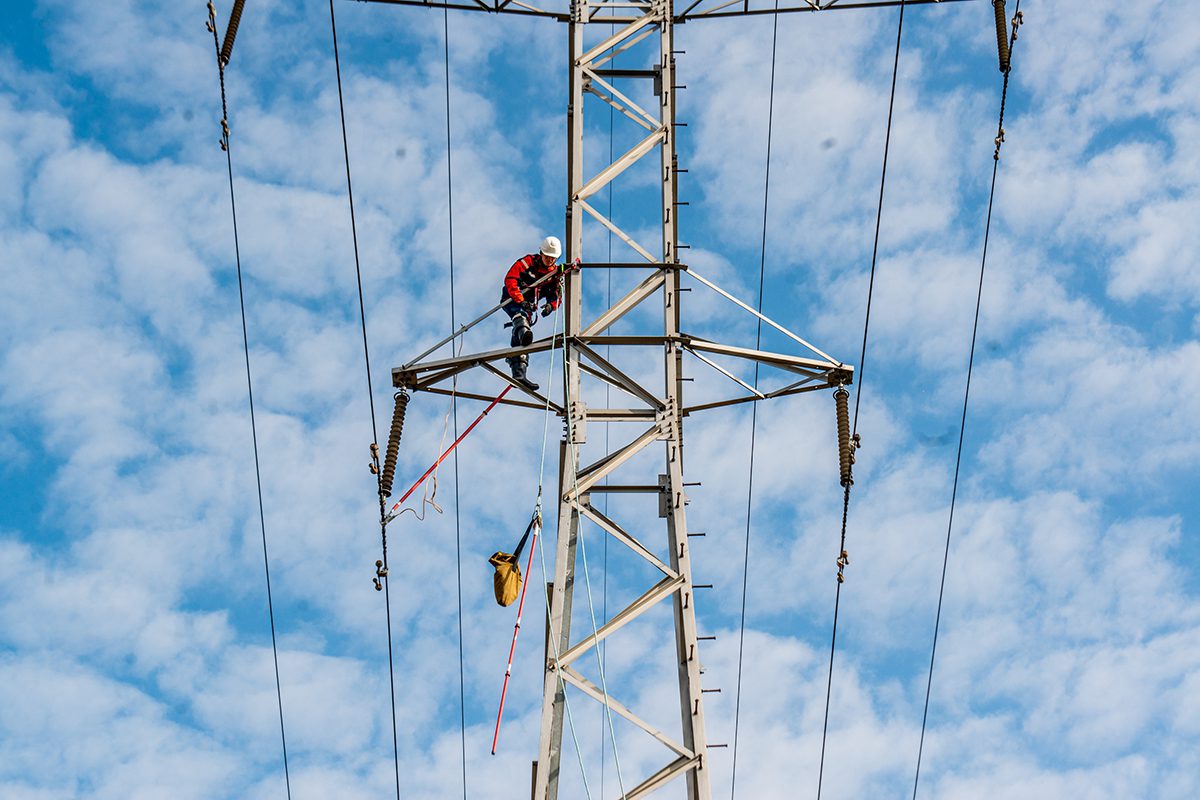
507 579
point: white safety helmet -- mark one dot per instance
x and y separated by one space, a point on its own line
551 246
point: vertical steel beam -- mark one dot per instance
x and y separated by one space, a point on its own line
553 689
686 647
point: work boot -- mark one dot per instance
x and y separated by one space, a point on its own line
518 365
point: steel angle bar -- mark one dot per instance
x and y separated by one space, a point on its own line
619 36
804 366
786 390
770 322
620 234
676 767
456 334
624 110
472 396
593 691
502 8
626 265
802 6
437 377
623 380
616 488
714 9
596 472
726 373
596 14
476 321
620 414
689 410
603 4
545 402
541 345
625 538
629 341
641 605
598 375
604 59
534 9
621 164
632 298
649 123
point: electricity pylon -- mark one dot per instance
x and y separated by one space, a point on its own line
645 29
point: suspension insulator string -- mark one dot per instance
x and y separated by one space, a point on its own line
847 444
393 445
1001 34
235 17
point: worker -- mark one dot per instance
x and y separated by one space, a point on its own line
519 300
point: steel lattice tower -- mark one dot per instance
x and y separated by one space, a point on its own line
646 30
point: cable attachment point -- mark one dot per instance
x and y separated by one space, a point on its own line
843 561
393 445
380 572
999 141
847 444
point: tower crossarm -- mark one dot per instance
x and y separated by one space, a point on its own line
618 12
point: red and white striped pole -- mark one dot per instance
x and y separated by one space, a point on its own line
516 630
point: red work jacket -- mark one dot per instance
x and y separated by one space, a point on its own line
525 271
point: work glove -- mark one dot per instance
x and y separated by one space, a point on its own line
529 308
547 310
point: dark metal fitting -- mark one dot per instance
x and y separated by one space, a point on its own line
378 585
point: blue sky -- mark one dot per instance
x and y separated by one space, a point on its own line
135 652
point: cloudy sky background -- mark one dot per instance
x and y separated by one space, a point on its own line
135 651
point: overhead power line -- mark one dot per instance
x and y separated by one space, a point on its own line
222 59
383 572
847 481
1006 68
